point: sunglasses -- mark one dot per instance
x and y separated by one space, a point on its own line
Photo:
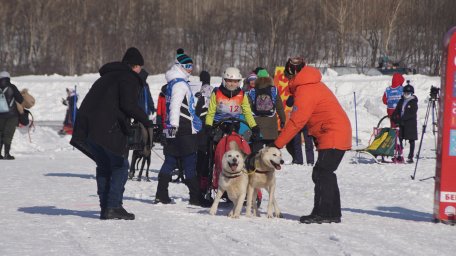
187 66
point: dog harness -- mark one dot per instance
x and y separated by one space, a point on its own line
251 163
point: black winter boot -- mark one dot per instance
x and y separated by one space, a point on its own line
117 214
162 189
1 146
194 191
7 154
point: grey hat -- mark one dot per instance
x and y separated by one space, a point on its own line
4 74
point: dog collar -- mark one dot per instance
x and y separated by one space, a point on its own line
237 174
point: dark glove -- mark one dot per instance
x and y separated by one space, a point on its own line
255 133
290 101
282 124
64 102
198 94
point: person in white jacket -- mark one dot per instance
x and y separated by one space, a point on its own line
181 127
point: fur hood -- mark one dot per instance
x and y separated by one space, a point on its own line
263 82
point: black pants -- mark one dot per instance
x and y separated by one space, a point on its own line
327 196
412 147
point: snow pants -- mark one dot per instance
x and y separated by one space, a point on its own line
327 196
188 164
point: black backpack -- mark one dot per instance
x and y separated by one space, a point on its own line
264 101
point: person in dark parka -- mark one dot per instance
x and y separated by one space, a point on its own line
9 117
101 128
405 116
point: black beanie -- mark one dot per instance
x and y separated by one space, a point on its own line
205 77
133 57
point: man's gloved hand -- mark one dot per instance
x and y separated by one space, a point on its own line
290 101
256 133
64 102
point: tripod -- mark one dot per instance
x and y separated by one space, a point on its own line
431 108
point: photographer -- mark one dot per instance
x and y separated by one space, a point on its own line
404 117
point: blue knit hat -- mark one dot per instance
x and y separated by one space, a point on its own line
182 58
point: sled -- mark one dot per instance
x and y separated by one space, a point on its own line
384 144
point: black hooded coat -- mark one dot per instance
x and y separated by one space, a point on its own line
104 114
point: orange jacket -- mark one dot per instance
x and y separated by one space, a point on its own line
316 106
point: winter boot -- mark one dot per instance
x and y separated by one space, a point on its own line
162 189
309 219
1 146
194 191
7 154
117 213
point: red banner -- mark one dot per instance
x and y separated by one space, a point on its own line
445 173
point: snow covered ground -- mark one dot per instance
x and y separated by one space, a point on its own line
49 204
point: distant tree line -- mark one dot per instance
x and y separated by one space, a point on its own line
78 36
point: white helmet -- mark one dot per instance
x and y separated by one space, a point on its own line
232 73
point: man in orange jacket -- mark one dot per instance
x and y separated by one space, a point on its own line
316 106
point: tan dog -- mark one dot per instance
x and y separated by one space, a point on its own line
266 161
233 179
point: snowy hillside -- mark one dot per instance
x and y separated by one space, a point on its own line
50 206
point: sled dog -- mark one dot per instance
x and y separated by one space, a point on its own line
262 175
233 179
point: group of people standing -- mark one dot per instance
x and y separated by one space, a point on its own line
101 126
402 108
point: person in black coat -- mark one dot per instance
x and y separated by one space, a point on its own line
9 115
101 128
405 116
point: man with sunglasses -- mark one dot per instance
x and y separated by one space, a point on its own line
317 107
181 126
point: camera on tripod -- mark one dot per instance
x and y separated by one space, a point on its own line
434 94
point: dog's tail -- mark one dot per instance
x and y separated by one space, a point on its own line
234 145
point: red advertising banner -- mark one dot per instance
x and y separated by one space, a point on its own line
445 173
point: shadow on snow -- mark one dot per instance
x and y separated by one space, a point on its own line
395 213
52 210
71 175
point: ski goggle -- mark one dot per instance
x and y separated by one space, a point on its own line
231 81
187 66
293 66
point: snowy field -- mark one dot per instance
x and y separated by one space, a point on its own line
49 204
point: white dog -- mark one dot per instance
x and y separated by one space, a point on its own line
233 179
266 161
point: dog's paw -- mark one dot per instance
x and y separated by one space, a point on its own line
235 216
212 212
279 215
